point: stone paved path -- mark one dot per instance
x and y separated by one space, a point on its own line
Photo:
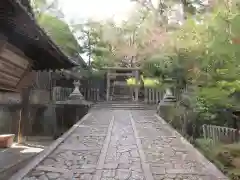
124 145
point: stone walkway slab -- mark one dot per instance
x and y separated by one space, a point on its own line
120 145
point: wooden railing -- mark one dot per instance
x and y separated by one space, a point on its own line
90 93
62 94
38 96
220 134
152 95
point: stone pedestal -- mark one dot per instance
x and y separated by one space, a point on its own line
72 110
166 107
76 94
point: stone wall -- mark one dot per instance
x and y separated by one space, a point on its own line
10 109
44 119
36 97
8 119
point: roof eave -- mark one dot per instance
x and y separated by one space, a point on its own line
62 59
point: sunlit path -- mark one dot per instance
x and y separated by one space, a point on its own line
121 144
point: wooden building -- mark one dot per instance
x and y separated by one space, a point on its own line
24 49
24 46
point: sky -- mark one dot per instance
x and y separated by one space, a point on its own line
77 10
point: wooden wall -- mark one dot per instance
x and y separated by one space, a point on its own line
14 68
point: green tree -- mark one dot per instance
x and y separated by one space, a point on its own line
127 44
61 34
42 6
56 28
47 15
158 9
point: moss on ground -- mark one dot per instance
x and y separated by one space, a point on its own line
225 157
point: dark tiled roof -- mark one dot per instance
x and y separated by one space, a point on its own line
19 26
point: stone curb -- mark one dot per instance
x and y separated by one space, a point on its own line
40 157
212 169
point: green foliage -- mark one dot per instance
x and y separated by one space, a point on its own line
205 144
57 29
206 148
202 53
96 38
132 82
151 82
147 82
96 74
204 56
61 34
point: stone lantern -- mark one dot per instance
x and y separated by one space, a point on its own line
167 106
168 97
76 97
76 94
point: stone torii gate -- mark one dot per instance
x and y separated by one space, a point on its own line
111 71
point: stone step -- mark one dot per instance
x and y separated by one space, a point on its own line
120 99
125 105
125 108
121 102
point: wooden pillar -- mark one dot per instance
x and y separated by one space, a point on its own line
145 95
132 94
108 86
136 87
24 115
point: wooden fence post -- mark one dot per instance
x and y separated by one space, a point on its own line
98 96
157 96
150 95
204 131
24 123
54 94
95 94
88 93
153 95
219 134
145 95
